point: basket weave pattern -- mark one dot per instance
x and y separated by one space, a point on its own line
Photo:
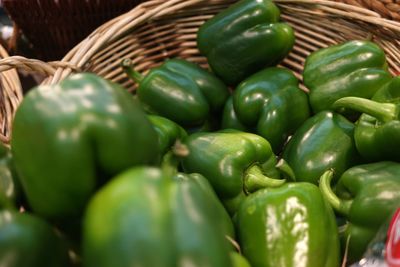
157 30
387 8
10 97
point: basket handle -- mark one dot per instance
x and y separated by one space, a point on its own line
34 65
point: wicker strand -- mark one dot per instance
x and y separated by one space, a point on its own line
386 8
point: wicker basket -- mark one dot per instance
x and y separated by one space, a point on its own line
156 30
386 8
10 97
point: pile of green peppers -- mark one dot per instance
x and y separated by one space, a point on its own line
230 166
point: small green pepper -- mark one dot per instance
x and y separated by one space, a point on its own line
365 195
168 132
27 240
236 163
353 68
245 38
10 188
271 103
180 91
291 225
324 141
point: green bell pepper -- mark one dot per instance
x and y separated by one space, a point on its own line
245 38
271 103
168 132
365 195
230 119
11 194
236 163
377 132
147 217
180 91
71 137
27 240
291 225
353 68
324 141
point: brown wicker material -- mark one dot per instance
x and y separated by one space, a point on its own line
156 30
10 97
54 27
386 8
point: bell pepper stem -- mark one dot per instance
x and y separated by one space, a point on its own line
340 205
286 170
255 179
170 160
382 111
169 164
127 67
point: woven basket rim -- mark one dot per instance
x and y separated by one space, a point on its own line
117 27
12 95
113 29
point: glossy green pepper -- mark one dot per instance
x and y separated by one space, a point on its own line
324 141
271 103
180 91
230 119
353 68
291 225
245 38
377 132
146 217
168 132
236 163
27 240
71 137
10 188
365 195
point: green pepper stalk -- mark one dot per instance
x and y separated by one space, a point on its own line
182 92
169 134
379 122
365 195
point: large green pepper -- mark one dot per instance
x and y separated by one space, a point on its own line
236 163
180 91
271 103
365 195
286 226
377 132
10 188
69 138
27 240
324 141
245 38
147 217
353 68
